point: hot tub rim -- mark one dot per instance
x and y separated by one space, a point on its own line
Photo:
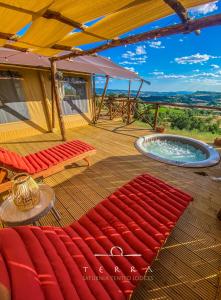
212 159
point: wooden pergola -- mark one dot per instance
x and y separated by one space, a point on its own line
59 18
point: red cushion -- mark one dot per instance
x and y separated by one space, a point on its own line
42 160
60 263
12 160
46 158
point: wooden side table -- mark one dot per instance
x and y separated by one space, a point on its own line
10 215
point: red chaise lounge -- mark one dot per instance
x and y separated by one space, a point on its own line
51 263
45 162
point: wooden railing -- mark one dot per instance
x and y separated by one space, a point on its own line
122 107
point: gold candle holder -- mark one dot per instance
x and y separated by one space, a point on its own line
25 191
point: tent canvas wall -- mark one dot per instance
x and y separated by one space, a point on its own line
26 109
25 92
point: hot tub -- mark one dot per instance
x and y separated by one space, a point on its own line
178 150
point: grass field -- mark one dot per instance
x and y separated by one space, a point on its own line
207 137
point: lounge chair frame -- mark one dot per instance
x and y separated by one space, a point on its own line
5 186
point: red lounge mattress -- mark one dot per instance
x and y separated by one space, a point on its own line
75 262
42 160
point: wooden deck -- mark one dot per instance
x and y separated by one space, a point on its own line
188 266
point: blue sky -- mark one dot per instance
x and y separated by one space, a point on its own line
182 62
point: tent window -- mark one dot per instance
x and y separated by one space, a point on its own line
74 95
12 101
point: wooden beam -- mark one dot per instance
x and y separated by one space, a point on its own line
102 97
18 9
6 36
57 98
45 99
193 25
60 47
179 9
46 13
11 46
49 14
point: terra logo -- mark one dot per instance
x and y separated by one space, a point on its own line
116 251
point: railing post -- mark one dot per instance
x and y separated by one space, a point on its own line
128 111
122 109
128 104
156 116
111 105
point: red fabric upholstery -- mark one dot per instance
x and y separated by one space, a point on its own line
49 263
12 160
42 160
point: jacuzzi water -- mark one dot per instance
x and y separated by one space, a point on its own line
174 150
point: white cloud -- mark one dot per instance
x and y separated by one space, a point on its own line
100 80
215 66
155 27
194 59
140 50
137 57
204 9
130 69
190 77
174 76
156 44
128 54
157 73
207 74
141 59
136 61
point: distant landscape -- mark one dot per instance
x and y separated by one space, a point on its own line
192 98
198 123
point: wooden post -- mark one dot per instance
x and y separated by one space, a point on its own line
156 116
139 89
129 103
54 82
52 106
111 106
102 97
45 104
93 100
134 105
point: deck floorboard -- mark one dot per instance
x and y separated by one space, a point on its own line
188 266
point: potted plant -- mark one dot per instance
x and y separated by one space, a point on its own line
217 141
160 129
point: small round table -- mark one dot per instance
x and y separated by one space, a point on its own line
10 215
